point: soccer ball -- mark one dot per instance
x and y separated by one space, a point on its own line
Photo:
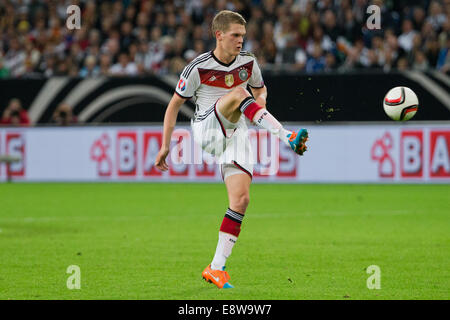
400 103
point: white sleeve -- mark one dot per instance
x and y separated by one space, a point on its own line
188 83
256 80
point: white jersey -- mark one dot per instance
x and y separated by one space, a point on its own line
206 79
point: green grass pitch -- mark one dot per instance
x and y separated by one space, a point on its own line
152 241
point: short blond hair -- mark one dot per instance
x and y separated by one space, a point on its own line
224 18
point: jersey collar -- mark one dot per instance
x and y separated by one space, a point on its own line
220 62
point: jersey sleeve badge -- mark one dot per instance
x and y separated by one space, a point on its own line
182 85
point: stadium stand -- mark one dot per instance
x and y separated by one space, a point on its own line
144 37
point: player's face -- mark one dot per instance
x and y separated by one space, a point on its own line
233 39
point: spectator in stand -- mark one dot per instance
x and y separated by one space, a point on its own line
111 46
63 67
445 33
199 47
359 9
330 25
105 64
14 114
132 51
391 42
4 72
14 58
444 58
418 18
330 62
427 30
156 51
372 60
283 33
389 59
190 55
63 115
436 15
431 49
251 42
48 66
316 62
319 38
300 60
126 35
76 54
402 64
420 61
405 40
349 26
416 47
90 69
123 67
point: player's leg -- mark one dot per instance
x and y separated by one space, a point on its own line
228 105
239 101
238 187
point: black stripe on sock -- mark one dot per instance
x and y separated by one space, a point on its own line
232 218
244 102
235 216
229 209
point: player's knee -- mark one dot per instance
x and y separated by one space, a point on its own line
240 93
245 200
242 201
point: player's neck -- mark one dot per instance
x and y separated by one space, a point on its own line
223 57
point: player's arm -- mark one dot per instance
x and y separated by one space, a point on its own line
170 119
260 95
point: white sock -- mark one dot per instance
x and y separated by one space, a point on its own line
264 119
223 250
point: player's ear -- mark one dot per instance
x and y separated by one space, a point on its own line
218 35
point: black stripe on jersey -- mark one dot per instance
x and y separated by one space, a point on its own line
206 114
246 53
243 169
256 87
220 122
182 96
222 63
191 65
203 55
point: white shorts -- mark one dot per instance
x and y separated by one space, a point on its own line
227 141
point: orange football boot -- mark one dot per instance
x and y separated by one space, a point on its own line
219 277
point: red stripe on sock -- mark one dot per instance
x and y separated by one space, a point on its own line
230 226
251 109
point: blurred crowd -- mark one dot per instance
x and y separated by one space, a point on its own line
16 115
139 37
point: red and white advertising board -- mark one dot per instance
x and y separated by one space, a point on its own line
405 153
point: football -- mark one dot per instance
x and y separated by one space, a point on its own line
400 103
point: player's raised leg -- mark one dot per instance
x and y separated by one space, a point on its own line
238 187
239 101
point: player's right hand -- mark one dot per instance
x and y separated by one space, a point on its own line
160 161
